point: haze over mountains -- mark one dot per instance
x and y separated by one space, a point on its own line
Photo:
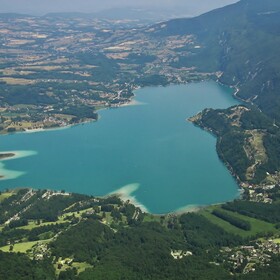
157 8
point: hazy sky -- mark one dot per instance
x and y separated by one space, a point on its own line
46 6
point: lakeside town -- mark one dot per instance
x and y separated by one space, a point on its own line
56 71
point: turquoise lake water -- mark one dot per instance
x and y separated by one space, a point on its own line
147 152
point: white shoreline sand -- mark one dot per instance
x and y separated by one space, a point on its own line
17 154
125 193
188 209
6 174
35 130
132 102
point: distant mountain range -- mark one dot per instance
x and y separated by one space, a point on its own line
135 14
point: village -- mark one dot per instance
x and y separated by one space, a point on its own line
57 72
245 259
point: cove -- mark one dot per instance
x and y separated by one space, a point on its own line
149 152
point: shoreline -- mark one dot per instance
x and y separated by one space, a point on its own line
128 196
7 174
125 194
241 185
6 155
130 102
190 208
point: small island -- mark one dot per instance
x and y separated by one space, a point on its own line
6 155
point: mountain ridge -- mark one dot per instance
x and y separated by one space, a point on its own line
240 40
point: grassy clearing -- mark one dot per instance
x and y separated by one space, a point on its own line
12 72
256 149
257 143
33 224
17 81
108 218
277 240
78 214
44 67
81 267
64 264
64 116
18 42
223 224
61 219
152 218
257 226
20 247
5 195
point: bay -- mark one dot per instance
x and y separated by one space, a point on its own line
148 152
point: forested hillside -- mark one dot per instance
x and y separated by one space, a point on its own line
55 235
241 41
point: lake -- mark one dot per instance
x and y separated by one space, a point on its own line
148 152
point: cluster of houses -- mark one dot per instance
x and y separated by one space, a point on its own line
40 251
245 258
48 194
179 254
261 193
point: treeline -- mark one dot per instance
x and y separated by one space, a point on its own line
79 111
17 223
201 234
11 236
245 225
263 211
46 231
